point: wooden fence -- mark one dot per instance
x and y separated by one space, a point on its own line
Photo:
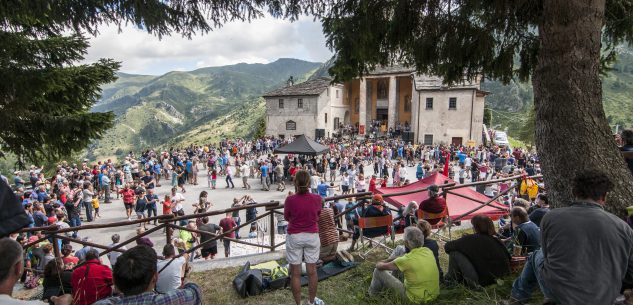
168 222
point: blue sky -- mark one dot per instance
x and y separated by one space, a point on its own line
261 41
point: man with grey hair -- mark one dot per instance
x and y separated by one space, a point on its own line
416 263
112 256
11 268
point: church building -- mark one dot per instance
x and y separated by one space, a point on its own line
389 100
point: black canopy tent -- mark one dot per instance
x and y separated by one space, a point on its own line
303 145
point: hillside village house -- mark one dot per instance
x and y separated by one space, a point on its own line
418 107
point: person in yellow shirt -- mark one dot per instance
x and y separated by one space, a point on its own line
95 205
529 189
421 276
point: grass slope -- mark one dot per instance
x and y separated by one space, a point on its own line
350 288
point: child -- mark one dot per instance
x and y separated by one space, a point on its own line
345 183
209 177
383 182
253 231
331 189
214 177
462 174
95 205
167 205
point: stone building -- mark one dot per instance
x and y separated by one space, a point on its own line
418 107
305 108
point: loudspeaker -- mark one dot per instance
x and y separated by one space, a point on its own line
407 136
319 133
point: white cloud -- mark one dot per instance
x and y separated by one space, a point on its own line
263 40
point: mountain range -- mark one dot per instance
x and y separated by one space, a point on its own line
205 105
196 106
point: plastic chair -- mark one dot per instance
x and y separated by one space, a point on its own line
377 222
444 221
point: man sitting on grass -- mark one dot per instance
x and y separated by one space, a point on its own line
136 274
421 276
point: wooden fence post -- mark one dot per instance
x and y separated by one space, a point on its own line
272 230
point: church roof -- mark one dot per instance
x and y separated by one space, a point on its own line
310 87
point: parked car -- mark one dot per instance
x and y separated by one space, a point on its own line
501 138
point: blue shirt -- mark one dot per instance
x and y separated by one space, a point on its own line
264 170
189 166
462 157
322 190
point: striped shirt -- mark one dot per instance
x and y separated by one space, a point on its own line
327 229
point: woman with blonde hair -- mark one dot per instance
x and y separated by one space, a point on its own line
302 240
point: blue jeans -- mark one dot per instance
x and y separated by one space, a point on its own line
75 222
89 211
530 277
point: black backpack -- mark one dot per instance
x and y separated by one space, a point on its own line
249 281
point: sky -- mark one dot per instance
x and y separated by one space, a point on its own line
260 41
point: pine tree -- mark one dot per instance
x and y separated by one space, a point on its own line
45 96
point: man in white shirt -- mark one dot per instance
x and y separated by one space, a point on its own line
170 278
112 256
315 180
246 172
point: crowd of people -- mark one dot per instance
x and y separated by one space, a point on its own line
311 225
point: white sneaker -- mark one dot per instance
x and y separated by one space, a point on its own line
318 301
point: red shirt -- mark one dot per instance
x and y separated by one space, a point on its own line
166 207
302 213
91 282
228 224
433 205
128 195
372 185
70 260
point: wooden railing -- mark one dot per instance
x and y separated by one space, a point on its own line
168 222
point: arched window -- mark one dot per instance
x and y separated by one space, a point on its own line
291 125
407 103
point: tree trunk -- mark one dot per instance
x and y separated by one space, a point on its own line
572 132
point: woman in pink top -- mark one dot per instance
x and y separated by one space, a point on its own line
302 242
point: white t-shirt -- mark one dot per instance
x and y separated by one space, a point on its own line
246 171
169 279
315 181
178 198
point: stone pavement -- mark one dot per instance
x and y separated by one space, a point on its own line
221 198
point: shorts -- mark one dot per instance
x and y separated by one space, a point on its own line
328 250
128 206
206 252
141 214
344 188
302 247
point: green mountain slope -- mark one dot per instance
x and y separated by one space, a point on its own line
510 104
154 110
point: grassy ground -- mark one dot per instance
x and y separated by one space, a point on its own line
347 288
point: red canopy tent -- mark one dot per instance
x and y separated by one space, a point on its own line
457 205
